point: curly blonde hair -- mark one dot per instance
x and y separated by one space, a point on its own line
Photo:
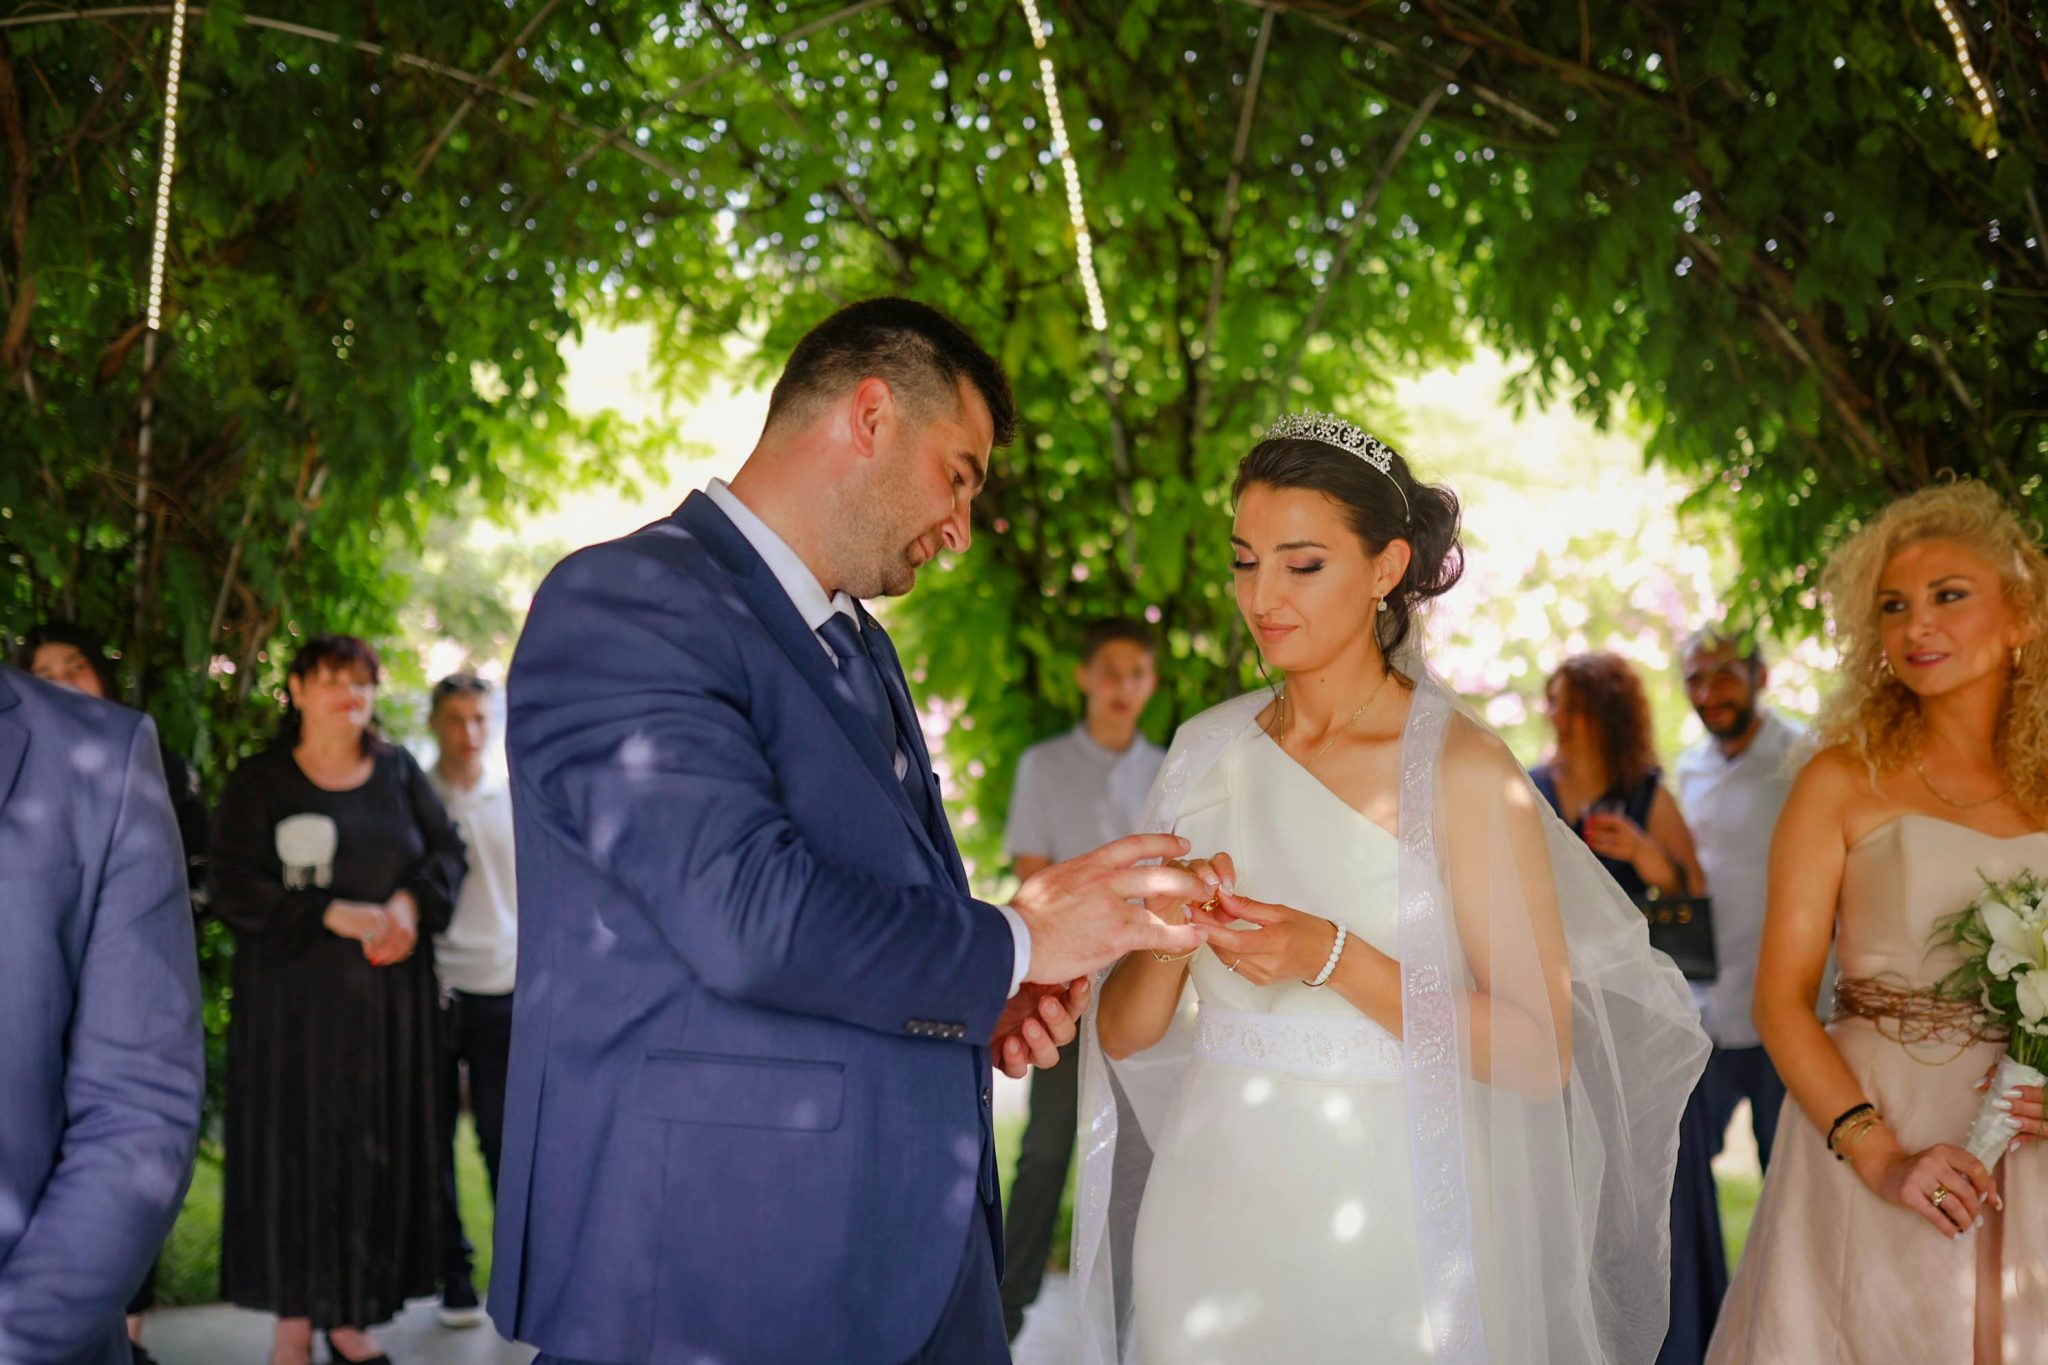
1874 714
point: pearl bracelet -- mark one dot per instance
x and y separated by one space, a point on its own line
1336 951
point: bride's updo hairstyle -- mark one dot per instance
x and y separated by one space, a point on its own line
1874 714
1381 508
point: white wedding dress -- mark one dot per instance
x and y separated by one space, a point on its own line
1281 1181
1279 1220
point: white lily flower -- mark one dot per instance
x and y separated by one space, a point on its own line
2014 942
2033 999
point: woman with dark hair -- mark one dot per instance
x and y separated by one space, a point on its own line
333 859
1603 781
1423 1107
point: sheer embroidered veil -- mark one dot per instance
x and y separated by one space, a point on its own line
1541 1165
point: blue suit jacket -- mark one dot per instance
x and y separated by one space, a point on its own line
748 1116
100 1052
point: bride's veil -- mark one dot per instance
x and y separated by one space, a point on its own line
1541 1189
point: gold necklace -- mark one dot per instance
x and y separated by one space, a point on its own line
1946 799
1337 733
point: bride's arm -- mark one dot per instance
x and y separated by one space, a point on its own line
1142 993
1137 1003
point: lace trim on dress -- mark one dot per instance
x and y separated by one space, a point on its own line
1322 1047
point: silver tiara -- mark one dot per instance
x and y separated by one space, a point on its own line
1335 431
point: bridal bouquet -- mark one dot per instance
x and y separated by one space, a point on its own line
2003 937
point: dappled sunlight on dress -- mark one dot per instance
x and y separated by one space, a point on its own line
1278 1224
1833 1273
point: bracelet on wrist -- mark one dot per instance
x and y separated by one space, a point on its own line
1853 1124
1336 951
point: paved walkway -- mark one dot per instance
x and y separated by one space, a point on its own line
218 1335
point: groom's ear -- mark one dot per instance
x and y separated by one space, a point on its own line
871 416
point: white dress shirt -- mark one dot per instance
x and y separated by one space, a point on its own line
1732 805
808 596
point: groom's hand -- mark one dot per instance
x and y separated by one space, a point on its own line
1080 913
1036 1024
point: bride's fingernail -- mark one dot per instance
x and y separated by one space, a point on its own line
2006 1105
2013 1146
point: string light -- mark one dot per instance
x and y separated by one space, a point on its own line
1969 68
1084 245
161 237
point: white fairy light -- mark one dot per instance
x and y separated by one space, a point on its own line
1969 68
1084 245
161 237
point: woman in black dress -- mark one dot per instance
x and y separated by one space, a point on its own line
332 862
1604 782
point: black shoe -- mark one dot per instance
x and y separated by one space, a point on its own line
459 1306
140 1354
334 1352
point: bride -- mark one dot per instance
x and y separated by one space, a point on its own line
1425 1102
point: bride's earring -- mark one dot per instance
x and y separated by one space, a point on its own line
1383 607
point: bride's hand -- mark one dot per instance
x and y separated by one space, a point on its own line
1283 944
1943 1184
1218 874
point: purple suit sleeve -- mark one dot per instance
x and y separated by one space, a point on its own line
132 1085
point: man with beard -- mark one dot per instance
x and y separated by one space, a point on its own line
1731 785
750 1109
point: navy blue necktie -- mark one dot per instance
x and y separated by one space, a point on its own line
863 679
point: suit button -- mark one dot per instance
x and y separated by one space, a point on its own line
988 1097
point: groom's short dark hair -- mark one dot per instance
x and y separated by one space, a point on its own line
920 352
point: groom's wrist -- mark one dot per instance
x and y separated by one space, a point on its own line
1020 939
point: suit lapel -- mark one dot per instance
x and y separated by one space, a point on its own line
898 688
13 738
771 606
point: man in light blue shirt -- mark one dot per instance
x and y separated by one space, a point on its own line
1732 785
1074 792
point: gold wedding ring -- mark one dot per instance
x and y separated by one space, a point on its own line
1941 1192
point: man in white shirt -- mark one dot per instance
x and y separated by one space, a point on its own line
1732 784
1073 793
476 958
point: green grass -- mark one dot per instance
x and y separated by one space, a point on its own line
191 1264
190 1271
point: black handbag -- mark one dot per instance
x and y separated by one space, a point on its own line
1682 928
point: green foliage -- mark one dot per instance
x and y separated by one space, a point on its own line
1769 236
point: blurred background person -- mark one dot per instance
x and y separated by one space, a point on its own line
1073 793
1603 781
1732 784
69 655
333 855
475 957
101 1058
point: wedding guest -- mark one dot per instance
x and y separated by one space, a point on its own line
1073 793
1878 1238
475 957
71 656
332 856
1603 781
101 1058
1732 784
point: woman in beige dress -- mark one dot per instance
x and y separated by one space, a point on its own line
1881 1240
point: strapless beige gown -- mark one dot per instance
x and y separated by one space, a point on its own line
1833 1275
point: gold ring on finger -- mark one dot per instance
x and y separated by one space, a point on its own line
1941 1192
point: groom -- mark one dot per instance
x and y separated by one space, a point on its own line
749 1110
